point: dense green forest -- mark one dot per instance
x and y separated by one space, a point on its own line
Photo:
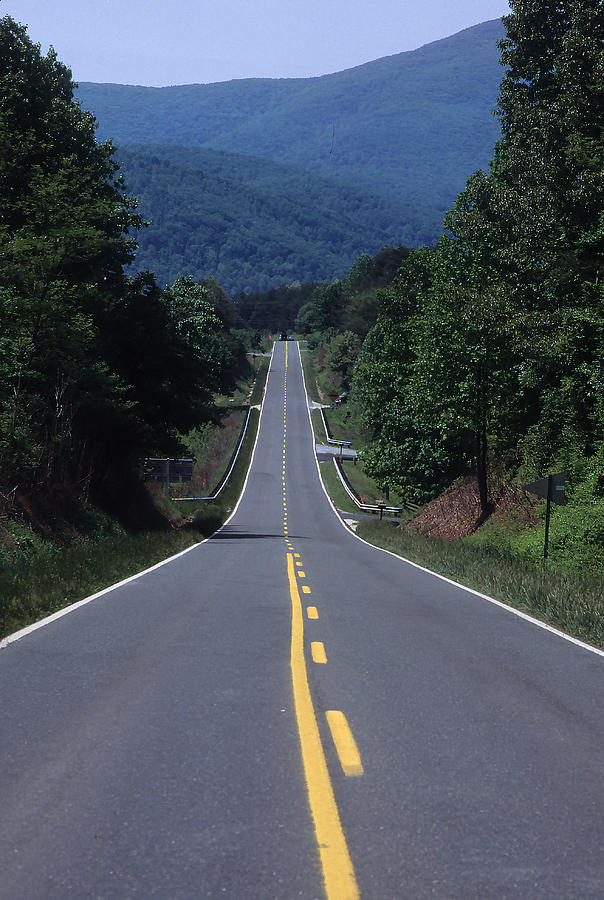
97 368
252 224
274 310
349 303
487 353
366 157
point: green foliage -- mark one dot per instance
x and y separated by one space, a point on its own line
250 223
576 538
64 218
492 343
341 354
274 310
96 369
354 302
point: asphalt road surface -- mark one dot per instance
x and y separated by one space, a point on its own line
284 711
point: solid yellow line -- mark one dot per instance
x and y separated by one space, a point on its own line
312 612
317 651
350 758
338 872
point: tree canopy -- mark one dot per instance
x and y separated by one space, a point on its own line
495 336
96 368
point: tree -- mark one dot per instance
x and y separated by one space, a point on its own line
341 354
502 325
96 369
64 223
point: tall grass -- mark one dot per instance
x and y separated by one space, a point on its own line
52 576
569 601
260 382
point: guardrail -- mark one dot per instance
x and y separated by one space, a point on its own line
328 437
368 507
222 483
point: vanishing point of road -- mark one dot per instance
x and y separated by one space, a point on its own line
284 711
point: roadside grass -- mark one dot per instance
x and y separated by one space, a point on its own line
308 367
54 576
212 448
345 425
334 488
39 576
317 424
576 538
568 601
207 516
366 487
262 367
339 422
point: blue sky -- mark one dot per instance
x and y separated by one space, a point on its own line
192 41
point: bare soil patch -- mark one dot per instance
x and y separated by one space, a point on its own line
457 514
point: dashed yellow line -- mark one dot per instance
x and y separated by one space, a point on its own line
317 651
350 758
312 612
338 871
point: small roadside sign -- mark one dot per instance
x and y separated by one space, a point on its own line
551 489
168 469
555 483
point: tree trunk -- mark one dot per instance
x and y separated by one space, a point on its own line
481 470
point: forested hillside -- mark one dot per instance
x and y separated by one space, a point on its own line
410 128
97 368
414 125
487 356
250 223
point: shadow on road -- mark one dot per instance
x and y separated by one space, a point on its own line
248 536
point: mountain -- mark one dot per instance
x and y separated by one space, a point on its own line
250 223
410 127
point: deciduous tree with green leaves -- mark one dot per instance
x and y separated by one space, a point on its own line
504 333
64 223
96 368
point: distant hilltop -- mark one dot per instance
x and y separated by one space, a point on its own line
408 129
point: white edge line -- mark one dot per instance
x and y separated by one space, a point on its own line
23 632
500 603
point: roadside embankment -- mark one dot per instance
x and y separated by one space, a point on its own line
43 570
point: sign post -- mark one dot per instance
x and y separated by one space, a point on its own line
168 471
552 490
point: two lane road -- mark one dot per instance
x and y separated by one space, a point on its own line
172 738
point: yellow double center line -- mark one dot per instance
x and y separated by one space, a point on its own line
338 871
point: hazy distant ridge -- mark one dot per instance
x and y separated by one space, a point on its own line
411 127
